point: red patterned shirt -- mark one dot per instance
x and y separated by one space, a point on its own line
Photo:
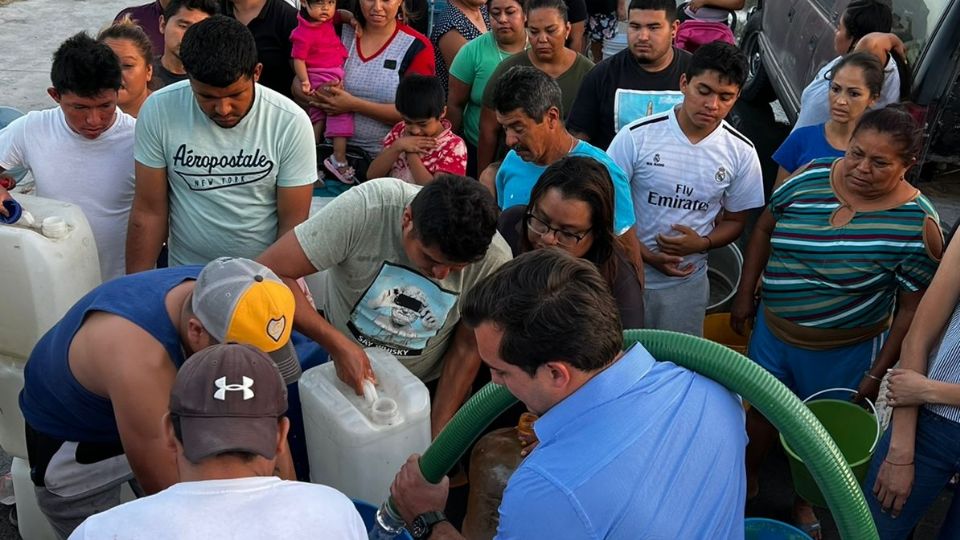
449 156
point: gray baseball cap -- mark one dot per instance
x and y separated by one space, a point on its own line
242 301
229 398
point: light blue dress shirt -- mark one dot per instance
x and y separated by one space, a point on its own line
644 450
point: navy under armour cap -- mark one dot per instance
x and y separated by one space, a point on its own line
228 398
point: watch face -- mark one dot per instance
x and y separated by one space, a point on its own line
419 527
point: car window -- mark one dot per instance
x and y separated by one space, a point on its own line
914 21
826 5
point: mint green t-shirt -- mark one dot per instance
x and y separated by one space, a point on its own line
473 65
223 182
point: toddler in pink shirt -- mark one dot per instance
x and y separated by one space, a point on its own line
318 58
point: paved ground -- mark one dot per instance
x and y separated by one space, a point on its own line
31 30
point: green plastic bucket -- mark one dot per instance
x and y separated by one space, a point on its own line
855 430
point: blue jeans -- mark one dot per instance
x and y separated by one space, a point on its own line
936 460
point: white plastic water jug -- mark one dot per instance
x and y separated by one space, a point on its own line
357 443
44 270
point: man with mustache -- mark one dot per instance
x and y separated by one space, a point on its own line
527 103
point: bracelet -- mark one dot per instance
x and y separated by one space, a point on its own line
897 464
872 376
709 244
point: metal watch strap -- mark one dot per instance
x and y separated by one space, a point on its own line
427 520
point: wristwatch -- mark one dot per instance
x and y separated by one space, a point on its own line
423 524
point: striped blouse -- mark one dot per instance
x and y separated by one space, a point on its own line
821 276
945 366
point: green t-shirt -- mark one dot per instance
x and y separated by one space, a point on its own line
473 66
569 81
371 291
223 182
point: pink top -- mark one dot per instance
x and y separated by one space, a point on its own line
317 44
449 156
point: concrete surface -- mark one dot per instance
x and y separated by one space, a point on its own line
30 31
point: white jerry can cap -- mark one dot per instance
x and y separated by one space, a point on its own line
54 227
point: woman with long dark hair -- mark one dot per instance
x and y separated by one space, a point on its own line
571 207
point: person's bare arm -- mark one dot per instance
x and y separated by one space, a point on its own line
287 259
880 45
383 163
136 374
421 176
895 477
907 303
487 143
300 68
450 44
335 100
293 207
457 98
461 363
577 30
488 178
147 229
782 175
744 307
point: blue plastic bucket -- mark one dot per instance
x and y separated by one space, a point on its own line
369 514
771 529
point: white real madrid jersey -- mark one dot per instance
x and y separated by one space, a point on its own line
674 181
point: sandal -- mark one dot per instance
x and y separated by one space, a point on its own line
341 171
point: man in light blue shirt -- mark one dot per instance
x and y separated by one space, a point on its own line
629 447
527 101
223 163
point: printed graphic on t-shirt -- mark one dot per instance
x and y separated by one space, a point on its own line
685 195
203 173
400 311
630 105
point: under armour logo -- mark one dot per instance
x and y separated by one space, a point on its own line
223 388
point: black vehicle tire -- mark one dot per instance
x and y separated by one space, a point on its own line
757 87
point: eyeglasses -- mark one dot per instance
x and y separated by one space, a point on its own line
564 238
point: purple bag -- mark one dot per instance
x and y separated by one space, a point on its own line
693 34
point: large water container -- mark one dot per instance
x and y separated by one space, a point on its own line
357 443
44 270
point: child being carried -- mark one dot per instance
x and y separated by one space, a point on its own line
318 58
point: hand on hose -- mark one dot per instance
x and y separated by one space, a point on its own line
413 495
